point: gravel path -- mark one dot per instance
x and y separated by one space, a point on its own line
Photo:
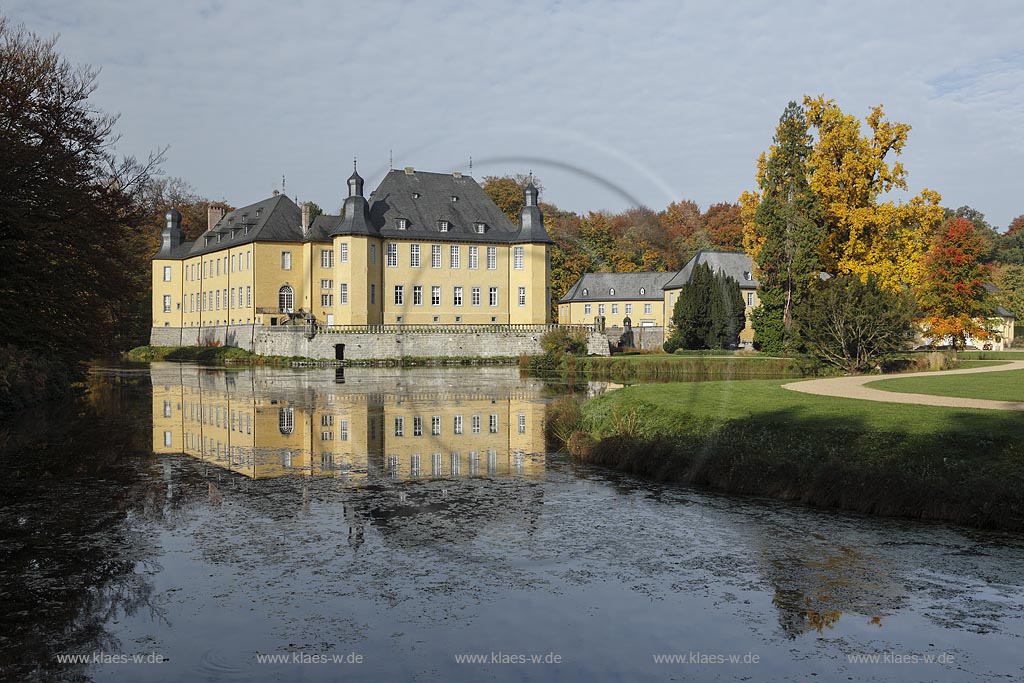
853 387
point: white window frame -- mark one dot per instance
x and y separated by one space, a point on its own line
435 295
517 258
492 296
522 296
454 257
457 424
167 273
474 258
474 296
343 294
392 254
399 426
417 295
326 258
167 303
587 309
492 258
343 252
435 425
414 255
647 309
457 296
286 261
435 255
399 295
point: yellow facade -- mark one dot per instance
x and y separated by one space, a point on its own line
642 313
231 420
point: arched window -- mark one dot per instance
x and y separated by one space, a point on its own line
584 291
286 299
611 292
286 420
643 290
747 276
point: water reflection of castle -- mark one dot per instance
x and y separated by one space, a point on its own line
402 424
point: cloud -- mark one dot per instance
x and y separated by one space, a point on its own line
665 100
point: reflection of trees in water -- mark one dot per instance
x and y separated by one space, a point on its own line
815 585
76 484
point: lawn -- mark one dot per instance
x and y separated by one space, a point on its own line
997 386
766 401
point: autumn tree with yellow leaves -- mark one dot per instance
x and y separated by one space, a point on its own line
851 170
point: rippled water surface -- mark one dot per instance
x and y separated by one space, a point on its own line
406 519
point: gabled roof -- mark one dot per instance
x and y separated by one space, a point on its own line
627 286
275 219
737 266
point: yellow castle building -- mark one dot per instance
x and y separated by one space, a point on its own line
423 249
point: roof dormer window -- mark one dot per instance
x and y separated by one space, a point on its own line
245 230
585 292
401 223
748 276
479 228
218 239
206 241
442 226
643 290
258 212
415 195
611 292
454 198
233 231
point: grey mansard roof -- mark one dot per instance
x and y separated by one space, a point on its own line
422 199
627 286
737 266
276 219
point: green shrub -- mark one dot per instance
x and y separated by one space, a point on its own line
562 340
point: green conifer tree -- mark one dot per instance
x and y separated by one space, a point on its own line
790 217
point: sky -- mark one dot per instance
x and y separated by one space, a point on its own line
609 104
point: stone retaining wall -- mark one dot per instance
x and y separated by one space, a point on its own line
291 341
647 338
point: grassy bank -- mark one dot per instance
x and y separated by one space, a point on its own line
669 367
996 386
754 437
209 354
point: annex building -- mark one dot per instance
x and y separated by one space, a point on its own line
422 249
648 299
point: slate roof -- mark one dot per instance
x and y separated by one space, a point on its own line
736 266
276 219
598 286
421 198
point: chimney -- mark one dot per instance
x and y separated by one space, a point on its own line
213 215
305 218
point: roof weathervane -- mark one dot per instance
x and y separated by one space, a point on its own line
391 159
282 183
470 164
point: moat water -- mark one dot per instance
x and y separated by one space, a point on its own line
381 524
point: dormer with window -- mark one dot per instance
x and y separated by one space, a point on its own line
748 276
443 226
454 199
611 292
415 195
480 228
643 290
585 292
401 223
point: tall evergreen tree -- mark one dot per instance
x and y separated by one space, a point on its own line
790 225
709 313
